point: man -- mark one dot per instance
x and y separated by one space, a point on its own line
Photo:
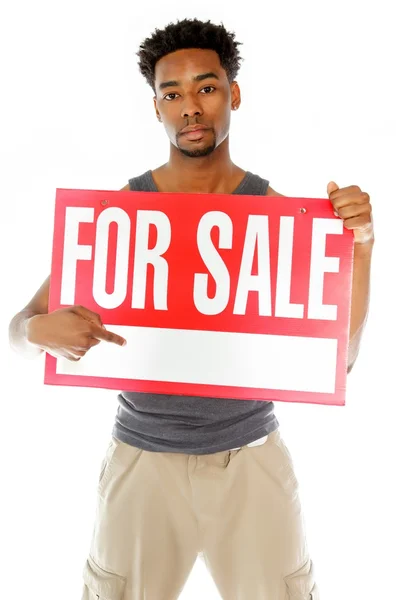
183 475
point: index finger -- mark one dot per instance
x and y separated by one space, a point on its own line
107 336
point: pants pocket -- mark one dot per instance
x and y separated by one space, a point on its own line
301 584
106 463
100 584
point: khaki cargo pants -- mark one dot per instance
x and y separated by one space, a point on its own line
238 510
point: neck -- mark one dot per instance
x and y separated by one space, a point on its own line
211 174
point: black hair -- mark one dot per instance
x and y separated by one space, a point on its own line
189 33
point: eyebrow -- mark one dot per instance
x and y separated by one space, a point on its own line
201 77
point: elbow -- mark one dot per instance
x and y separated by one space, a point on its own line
350 367
354 348
353 353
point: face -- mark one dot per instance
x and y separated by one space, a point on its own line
192 90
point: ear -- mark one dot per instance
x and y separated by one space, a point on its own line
156 109
235 95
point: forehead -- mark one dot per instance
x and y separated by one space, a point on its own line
184 65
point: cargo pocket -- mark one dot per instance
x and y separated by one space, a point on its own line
301 584
100 584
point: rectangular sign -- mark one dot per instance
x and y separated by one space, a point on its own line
243 297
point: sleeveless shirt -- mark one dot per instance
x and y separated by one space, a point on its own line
192 424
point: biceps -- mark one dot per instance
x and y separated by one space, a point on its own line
39 302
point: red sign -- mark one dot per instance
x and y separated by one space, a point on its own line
243 297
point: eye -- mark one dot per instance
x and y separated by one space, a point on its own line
208 87
171 94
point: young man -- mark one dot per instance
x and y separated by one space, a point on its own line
183 475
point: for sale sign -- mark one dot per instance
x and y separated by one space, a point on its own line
243 297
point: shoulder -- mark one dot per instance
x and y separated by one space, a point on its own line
272 192
142 182
259 185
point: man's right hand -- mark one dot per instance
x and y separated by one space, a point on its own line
69 332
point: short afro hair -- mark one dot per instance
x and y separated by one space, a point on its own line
189 33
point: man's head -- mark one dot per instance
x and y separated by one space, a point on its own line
191 67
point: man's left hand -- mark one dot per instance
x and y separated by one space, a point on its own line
354 208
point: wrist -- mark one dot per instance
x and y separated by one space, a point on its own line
30 327
364 235
363 249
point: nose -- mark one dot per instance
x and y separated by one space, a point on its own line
191 107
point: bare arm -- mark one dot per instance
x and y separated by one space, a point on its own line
360 298
38 305
360 294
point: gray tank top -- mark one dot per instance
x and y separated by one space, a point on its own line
191 424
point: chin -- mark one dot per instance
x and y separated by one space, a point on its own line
197 152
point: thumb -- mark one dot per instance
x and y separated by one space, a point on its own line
331 187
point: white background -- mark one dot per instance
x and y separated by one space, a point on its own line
318 105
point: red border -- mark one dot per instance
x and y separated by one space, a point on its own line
315 207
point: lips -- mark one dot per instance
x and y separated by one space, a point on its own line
198 134
195 132
193 128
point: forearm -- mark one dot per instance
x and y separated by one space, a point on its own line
360 297
18 335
